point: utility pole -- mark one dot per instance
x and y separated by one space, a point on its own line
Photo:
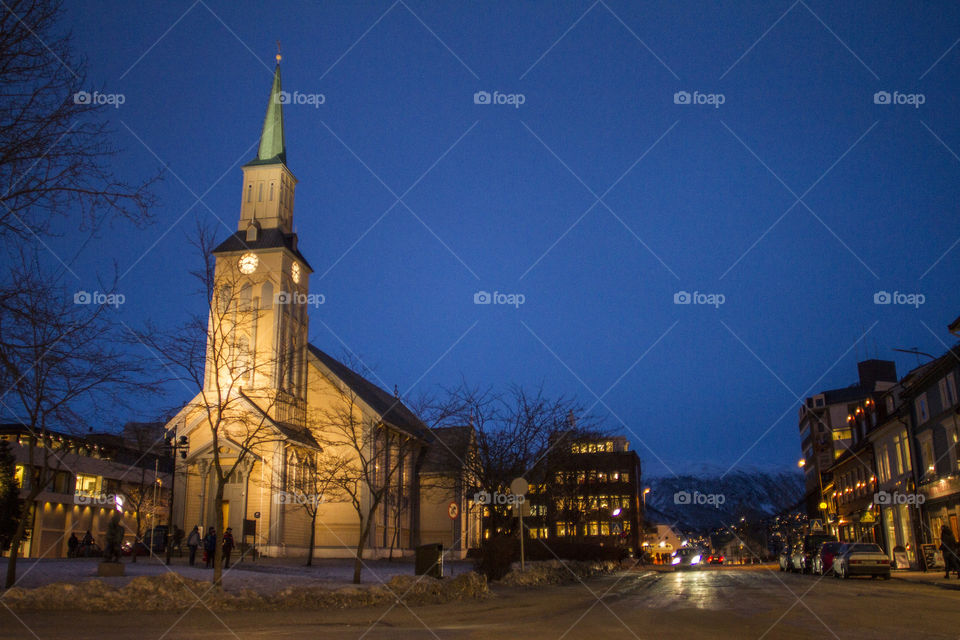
176 445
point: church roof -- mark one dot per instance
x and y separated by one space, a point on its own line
271 238
289 431
390 409
273 148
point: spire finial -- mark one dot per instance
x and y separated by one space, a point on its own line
279 57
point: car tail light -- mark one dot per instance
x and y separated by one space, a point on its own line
721 558
885 561
856 562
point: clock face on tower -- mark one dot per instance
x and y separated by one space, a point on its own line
248 263
295 272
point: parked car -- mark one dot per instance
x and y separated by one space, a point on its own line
806 549
687 558
796 557
861 559
784 558
141 549
823 557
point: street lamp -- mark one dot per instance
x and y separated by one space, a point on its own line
180 445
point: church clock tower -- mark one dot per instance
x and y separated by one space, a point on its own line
263 281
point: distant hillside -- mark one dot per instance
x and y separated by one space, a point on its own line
710 499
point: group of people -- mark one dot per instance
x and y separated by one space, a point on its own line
209 544
77 547
951 552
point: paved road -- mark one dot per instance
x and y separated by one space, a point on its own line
721 603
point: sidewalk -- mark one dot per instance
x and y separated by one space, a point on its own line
266 575
933 578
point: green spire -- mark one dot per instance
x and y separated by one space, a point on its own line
272 146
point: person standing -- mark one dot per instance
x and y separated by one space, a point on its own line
72 545
209 547
948 547
193 541
178 540
227 547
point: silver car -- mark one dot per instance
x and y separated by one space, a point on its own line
861 559
688 558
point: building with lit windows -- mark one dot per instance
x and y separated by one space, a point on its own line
931 398
895 501
826 426
590 492
93 476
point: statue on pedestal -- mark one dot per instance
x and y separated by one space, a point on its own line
113 549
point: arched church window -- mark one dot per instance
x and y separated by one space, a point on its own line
266 295
245 293
243 362
225 295
249 193
260 193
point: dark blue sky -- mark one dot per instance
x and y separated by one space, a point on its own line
498 198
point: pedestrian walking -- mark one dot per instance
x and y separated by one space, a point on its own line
227 547
193 541
209 547
72 545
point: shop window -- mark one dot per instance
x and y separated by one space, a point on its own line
87 484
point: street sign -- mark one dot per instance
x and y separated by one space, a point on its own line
519 487
617 528
867 517
816 525
453 510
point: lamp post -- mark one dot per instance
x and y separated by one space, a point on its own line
176 445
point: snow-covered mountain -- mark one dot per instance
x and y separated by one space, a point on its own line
711 497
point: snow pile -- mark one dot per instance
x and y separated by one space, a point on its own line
555 572
171 592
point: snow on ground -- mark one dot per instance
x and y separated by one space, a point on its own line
265 576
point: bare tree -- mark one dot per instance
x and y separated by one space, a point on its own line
373 454
308 482
139 484
54 149
237 386
60 364
517 431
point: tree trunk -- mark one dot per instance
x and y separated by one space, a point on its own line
218 533
313 538
136 537
15 551
361 543
25 513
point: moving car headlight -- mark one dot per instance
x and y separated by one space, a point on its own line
675 560
695 560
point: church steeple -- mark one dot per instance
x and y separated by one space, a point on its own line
268 184
272 146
